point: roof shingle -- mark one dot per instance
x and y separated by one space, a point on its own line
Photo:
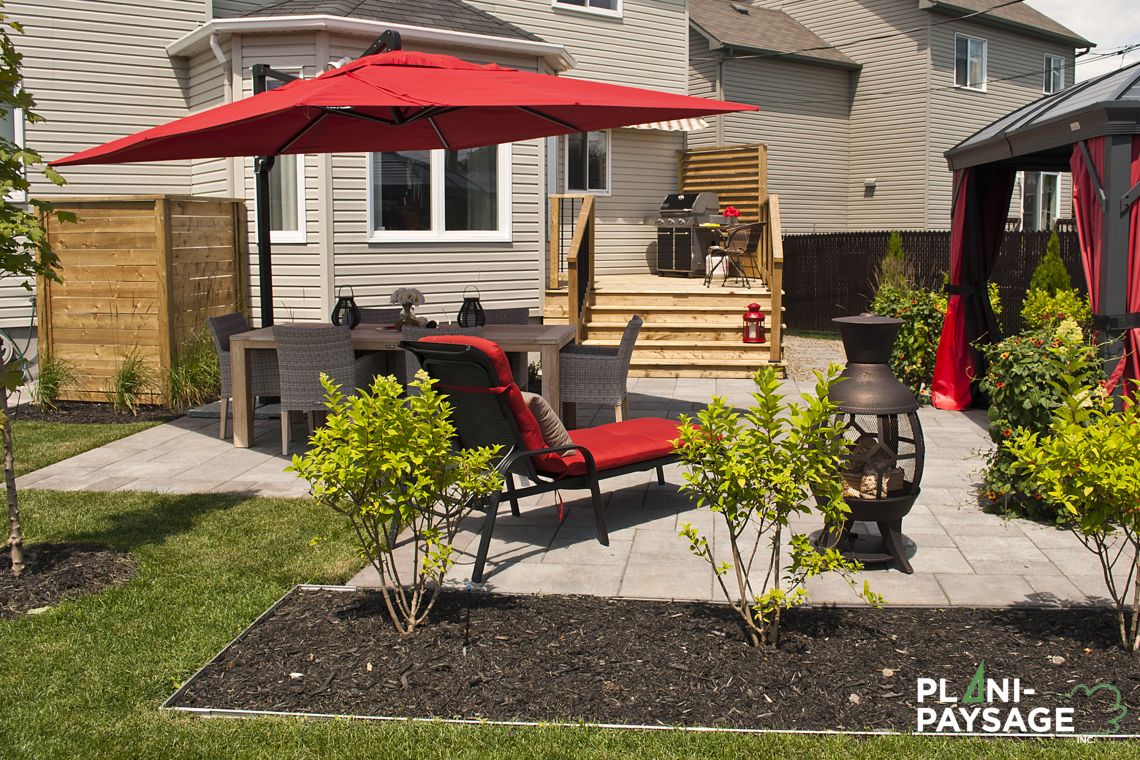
1018 14
450 15
749 27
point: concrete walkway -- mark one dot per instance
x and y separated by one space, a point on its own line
960 555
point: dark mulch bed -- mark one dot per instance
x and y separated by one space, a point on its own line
54 572
620 661
89 412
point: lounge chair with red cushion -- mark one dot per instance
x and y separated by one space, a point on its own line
489 409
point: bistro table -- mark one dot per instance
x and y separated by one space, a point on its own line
548 340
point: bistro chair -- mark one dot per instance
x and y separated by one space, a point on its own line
379 315
598 374
488 409
736 253
513 316
264 363
304 353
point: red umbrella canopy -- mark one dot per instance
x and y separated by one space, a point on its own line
402 100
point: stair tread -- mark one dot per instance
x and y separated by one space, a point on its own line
688 362
672 343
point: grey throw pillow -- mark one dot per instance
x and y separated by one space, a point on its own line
553 431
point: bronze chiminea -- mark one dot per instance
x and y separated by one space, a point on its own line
883 467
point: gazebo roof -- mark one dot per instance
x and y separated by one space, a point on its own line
1039 136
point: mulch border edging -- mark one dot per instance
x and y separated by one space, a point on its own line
225 712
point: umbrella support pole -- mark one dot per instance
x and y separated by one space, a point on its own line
262 165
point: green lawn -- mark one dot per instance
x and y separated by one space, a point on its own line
85 679
39 444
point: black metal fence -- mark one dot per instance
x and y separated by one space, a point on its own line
832 275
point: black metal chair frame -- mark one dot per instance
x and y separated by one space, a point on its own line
485 428
736 258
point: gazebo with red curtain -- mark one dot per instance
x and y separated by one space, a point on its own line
1093 130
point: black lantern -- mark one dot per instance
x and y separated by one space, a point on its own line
885 456
471 313
346 311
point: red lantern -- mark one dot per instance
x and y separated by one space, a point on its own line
753 324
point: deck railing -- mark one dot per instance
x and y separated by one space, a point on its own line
770 264
565 216
579 258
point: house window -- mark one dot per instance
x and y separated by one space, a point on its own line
605 7
1040 200
12 130
969 62
588 162
1054 74
286 189
437 194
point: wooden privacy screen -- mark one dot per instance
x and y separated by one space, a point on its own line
141 274
738 174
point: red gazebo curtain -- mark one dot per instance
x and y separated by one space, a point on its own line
978 216
1086 209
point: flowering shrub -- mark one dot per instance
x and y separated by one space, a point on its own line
1023 385
1043 309
922 312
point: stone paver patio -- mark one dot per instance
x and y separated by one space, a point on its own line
960 555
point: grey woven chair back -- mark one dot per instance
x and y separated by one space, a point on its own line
382 315
520 316
415 333
303 354
628 340
221 329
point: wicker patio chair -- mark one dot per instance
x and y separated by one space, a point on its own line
264 364
489 410
382 315
598 375
513 316
303 354
738 251
412 365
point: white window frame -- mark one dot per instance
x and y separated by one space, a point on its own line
503 234
18 196
301 234
616 12
609 166
1049 71
985 62
1055 211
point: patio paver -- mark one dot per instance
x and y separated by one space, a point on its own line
961 556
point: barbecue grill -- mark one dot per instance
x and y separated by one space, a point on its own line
681 241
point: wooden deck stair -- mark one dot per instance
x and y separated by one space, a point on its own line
689 330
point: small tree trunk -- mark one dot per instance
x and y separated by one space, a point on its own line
15 533
1134 645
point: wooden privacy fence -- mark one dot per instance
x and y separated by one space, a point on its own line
833 275
141 274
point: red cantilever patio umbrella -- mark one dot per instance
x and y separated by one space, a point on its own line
397 100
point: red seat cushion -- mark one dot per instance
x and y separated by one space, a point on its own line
616 445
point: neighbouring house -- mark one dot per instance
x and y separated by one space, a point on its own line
860 98
101 70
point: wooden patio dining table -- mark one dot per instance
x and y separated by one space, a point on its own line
547 340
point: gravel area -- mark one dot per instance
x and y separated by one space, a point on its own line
803 355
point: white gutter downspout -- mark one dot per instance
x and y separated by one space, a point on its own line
227 97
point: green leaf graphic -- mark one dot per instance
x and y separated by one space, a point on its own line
1118 704
975 691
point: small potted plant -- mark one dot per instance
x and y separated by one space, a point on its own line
408 299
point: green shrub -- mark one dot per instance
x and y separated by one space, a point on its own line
1043 309
384 460
756 471
54 375
1023 386
1088 464
892 269
1050 274
131 382
194 378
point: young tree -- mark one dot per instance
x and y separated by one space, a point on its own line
25 252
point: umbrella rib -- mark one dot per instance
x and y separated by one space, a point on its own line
302 132
442 139
357 115
548 117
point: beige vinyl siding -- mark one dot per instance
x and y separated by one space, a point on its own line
803 121
1014 76
98 71
207 88
506 273
889 110
297 267
645 47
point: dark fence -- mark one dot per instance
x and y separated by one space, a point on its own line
833 275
